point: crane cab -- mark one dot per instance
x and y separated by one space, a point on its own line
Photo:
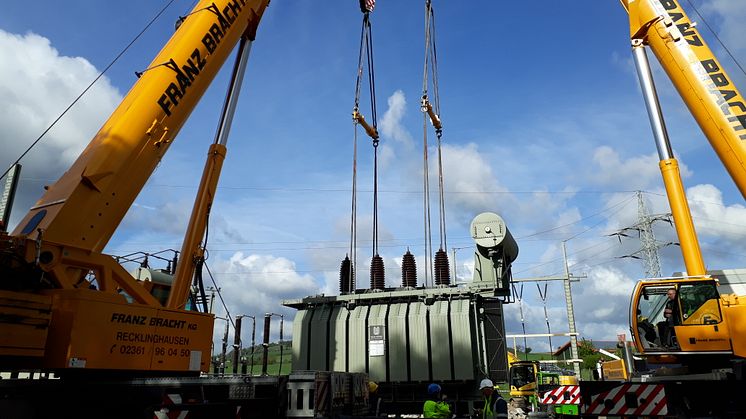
678 317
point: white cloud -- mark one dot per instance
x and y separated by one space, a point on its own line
386 157
391 124
169 218
261 273
470 181
609 281
602 302
637 172
256 284
714 218
730 28
37 84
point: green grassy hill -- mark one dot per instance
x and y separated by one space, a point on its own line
279 362
278 359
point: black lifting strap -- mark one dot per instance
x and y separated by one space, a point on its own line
366 49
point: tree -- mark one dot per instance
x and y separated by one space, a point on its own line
588 353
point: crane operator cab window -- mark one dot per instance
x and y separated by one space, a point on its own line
699 303
658 312
663 307
521 376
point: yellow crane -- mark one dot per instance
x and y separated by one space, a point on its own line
74 308
683 322
703 322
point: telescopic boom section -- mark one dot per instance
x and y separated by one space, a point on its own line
703 84
85 206
669 167
192 251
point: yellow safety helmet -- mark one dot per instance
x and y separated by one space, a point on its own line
372 387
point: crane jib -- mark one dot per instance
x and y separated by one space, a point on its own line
721 88
724 97
185 74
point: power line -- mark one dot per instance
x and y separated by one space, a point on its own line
718 204
717 37
348 190
578 221
594 225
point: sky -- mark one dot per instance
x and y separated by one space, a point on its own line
543 120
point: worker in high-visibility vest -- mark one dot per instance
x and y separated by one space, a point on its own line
436 406
494 405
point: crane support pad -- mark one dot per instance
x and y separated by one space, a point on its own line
24 320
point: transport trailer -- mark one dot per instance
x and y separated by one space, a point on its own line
304 394
325 394
198 397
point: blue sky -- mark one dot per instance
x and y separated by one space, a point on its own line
543 123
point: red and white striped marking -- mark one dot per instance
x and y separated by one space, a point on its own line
651 401
562 395
166 412
322 396
369 5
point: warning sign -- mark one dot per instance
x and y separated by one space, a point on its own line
376 340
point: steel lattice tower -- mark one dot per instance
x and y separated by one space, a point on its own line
648 244
647 239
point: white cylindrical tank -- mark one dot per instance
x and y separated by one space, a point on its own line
489 231
153 275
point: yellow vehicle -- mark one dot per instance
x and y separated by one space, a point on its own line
702 321
684 321
69 309
529 383
523 372
76 308
527 379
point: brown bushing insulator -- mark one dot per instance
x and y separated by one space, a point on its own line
377 273
345 276
442 270
408 270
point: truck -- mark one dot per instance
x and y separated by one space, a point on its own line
689 337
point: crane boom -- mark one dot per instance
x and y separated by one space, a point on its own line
85 206
702 82
697 321
69 306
